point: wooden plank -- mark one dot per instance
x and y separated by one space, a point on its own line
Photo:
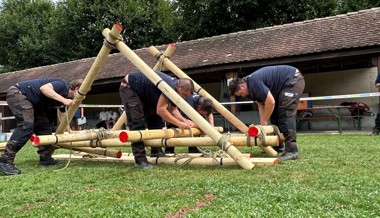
169 160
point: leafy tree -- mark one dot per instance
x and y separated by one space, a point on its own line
203 18
25 40
79 24
40 32
46 33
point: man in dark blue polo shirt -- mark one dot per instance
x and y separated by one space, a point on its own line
29 101
376 129
146 106
277 90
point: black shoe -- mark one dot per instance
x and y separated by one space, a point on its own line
289 156
144 165
375 133
9 169
159 154
280 149
51 162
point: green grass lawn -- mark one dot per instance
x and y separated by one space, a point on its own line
336 176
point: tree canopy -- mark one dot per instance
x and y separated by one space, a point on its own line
42 32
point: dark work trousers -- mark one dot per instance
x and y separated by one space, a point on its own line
377 120
285 111
29 120
139 116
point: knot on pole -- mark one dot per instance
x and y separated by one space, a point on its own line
175 131
92 144
158 55
78 96
261 136
101 134
224 142
109 45
277 132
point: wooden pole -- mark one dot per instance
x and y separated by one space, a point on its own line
59 138
202 161
183 105
207 141
119 123
139 135
217 106
175 142
100 60
124 137
99 151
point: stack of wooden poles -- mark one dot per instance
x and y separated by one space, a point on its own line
92 143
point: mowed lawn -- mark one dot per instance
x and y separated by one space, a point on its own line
336 176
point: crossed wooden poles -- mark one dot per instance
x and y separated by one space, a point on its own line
84 141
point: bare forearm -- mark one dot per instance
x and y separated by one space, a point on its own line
168 117
49 92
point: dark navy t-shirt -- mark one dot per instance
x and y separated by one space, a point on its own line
31 88
378 78
193 101
271 78
147 91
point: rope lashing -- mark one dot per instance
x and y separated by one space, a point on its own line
261 136
110 45
277 133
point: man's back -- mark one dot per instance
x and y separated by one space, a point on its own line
147 91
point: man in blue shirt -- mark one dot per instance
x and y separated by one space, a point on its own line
376 129
277 90
146 106
29 101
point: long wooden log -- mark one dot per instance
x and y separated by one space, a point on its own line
125 137
249 155
207 141
100 60
183 105
99 151
139 135
177 142
59 138
217 106
119 123
202 161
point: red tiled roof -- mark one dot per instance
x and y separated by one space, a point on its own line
343 32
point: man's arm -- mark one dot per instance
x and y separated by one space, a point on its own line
81 112
49 92
266 109
163 112
377 85
210 119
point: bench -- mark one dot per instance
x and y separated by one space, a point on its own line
357 120
333 113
